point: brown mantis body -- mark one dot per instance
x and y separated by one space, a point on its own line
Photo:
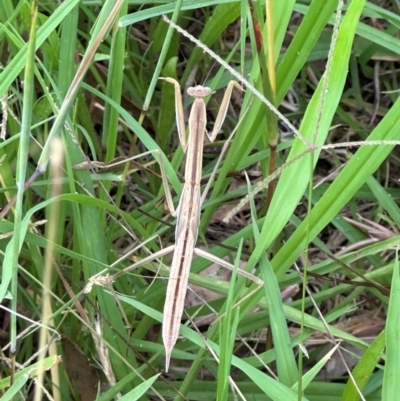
188 211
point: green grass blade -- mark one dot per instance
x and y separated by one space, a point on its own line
10 271
227 334
390 390
140 390
285 359
364 368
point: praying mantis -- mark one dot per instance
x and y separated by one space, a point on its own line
188 211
